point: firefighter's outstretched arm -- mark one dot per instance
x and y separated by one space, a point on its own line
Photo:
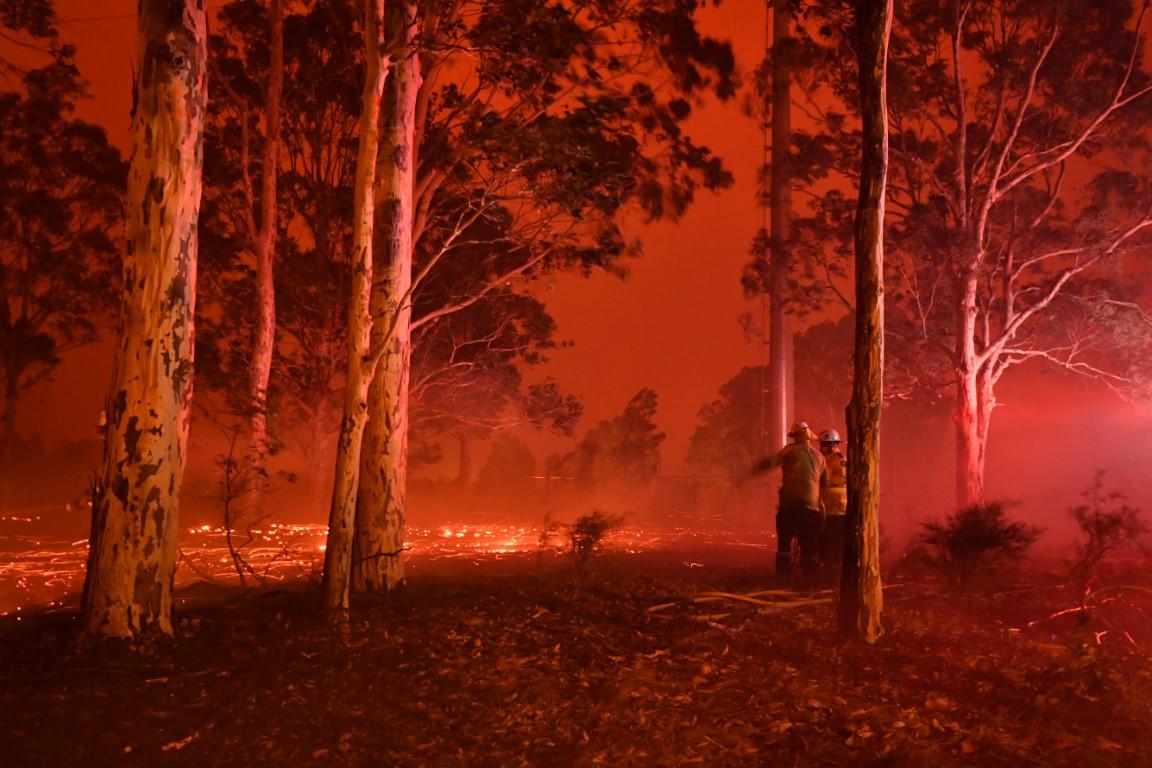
766 464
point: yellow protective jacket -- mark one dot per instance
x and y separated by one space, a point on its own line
835 494
805 475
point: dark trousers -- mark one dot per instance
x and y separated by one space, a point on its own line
832 546
801 525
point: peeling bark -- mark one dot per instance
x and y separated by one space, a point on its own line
378 563
132 558
342 515
861 596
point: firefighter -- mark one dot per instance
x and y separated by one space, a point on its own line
798 516
835 498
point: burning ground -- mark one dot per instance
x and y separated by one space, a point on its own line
519 660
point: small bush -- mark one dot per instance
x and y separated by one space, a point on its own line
586 535
975 542
1108 525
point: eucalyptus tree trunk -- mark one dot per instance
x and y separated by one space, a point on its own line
132 555
264 245
861 596
342 515
378 564
975 397
779 344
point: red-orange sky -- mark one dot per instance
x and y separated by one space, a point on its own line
673 325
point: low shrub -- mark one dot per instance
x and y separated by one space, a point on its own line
1107 525
976 542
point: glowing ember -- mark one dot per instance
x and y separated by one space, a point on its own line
48 571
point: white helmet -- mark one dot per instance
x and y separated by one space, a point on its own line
829 436
798 428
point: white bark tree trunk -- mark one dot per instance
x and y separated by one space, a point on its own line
342 516
969 439
264 242
132 555
379 564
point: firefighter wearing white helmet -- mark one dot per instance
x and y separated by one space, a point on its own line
798 516
835 498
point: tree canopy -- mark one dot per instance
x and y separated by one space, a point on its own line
60 184
1018 189
621 451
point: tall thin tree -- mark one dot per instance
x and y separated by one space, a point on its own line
342 516
263 237
377 564
132 555
780 201
861 597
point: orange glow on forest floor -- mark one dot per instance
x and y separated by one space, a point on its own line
48 571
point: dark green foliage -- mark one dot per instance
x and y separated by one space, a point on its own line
1107 525
971 544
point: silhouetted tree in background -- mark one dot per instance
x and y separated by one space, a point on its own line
323 62
60 187
242 227
726 441
620 452
29 24
510 464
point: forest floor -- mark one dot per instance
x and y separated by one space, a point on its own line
504 662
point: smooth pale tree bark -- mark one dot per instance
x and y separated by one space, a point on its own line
861 596
342 516
779 343
263 239
132 555
378 558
